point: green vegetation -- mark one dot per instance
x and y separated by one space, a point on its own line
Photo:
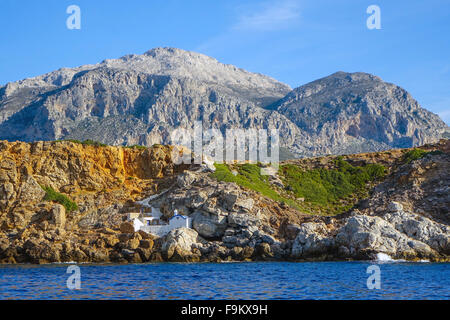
417 153
328 186
136 146
52 195
249 176
325 191
88 142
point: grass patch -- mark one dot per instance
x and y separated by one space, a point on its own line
316 191
417 153
136 146
249 176
52 195
328 186
88 142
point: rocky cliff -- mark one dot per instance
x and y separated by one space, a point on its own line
402 210
140 99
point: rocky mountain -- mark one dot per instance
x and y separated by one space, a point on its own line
358 112
140 99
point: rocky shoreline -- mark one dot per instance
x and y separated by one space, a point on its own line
404 216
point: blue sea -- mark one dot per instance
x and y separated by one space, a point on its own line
251 280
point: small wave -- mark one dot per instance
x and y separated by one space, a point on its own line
69 262
383 257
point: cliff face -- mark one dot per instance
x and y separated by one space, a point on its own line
141 99
405 216
403 213
94 177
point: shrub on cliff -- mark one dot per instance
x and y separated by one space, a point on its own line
88 142
324 186
417 153
248 176
328 191
52 195
413 154
136 146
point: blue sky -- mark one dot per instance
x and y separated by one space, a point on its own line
294 41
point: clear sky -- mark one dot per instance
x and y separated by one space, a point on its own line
294 41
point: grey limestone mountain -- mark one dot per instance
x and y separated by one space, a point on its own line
140 99
358 112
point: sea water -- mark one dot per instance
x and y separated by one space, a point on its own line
252 280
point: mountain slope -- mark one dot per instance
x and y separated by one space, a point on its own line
358 112
140 99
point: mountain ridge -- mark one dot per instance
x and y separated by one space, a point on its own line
140 99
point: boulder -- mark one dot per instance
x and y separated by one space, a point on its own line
146 244
145 235
107 231
126 227
229 199
229 232
312 240
229 240
58 216
291 231
209 225
211 205
366 234
422 229
144 254
247 252
264 250
30 191
185 179
246 204
395 206
133 244
110 240
177 244
6 191
267 239
194 199
243 220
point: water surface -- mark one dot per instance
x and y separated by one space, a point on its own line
254 280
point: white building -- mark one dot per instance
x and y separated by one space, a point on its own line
152 223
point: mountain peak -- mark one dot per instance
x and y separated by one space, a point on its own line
356 112
171 51
140 99
188 64
165 61
347 77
